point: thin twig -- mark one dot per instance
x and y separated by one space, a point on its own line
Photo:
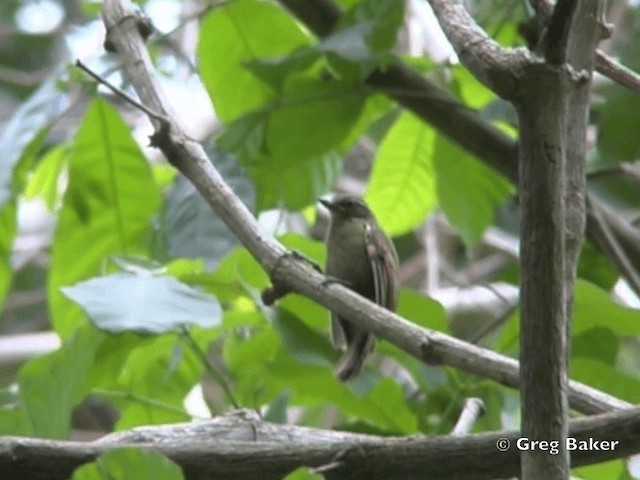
128 98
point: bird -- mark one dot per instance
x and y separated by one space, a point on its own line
363 258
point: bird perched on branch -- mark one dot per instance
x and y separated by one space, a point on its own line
363 258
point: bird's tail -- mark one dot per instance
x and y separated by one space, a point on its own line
352 362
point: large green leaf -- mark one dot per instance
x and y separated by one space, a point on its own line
51 385
312 116
468 191
144 303
129 464
293 165
106 209
401 189
294 183
233 34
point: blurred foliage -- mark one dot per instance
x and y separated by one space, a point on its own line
137 253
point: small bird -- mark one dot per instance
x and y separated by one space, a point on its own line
364 259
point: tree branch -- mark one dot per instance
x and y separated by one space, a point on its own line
553 113
495 66
240 445
555 40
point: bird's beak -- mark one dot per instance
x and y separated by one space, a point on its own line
327 204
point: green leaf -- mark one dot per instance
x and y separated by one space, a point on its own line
191 228
129 464
7 233
596 268
387 16
473 93
606 378
292 166
277 412
51 385
293 183
364 37
106 209
613 469
125 302
468 191
618 138
597 343
15 421
379 403
245 136
282 179
241 266
156 378
275 70
401 190
593 307
303 343
249 360
236 33
45 179
303 473
331 107
388 398
421 310
313 250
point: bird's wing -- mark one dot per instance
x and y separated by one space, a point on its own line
382 266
